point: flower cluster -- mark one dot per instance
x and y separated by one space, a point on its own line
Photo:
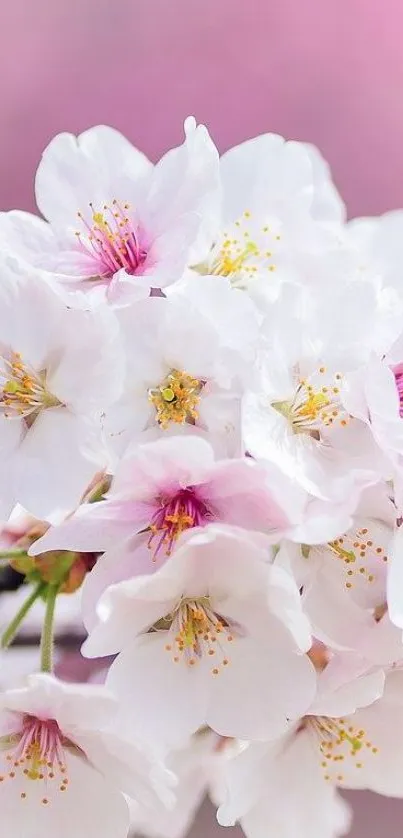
201 430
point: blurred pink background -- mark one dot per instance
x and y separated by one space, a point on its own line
330 72
318 70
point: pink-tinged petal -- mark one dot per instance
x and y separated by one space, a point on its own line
117 618
130 558
27 299
12 432
373 395
380 643
11 435
169 251
246 780
327 203
238 490
51 470
94 528
232 566
265 170
192 767
334 616
89 805
125 422
90 168
234 317
125 289
395 579
162 702
341 692
224 561
380 766
88 375
71 705
128 768
113 153
313 810
156 466
26 236
260 689
311 520
186 180
220 416
69 268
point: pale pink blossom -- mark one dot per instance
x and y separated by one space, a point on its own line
195 767
61 767
188 359
291 782
296 417
164 488
279 211
343 581
217 636
116 223
59 370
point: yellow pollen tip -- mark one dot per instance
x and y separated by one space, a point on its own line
176 399
168 394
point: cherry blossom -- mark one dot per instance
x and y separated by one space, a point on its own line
112 215
163 489
344 580
279 208
55 381
296 416
207 627
62 769
186 366
201 430
328 747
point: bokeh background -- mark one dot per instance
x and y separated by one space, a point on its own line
327 71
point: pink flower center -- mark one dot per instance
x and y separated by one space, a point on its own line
398 373
36 753
173 517
114 240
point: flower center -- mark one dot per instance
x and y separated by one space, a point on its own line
315 406
339 741
176 399
398 373
23 392
243 252
113 239
362 553
175 516
195 631
36 753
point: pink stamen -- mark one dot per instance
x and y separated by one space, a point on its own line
397 370
174 516
114 240
36 752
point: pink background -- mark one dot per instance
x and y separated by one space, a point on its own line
328 71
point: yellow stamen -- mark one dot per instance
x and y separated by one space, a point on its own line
176 399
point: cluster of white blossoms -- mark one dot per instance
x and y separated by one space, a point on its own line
201 428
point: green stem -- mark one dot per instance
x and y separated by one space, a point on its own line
47 629
11 631
12 554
